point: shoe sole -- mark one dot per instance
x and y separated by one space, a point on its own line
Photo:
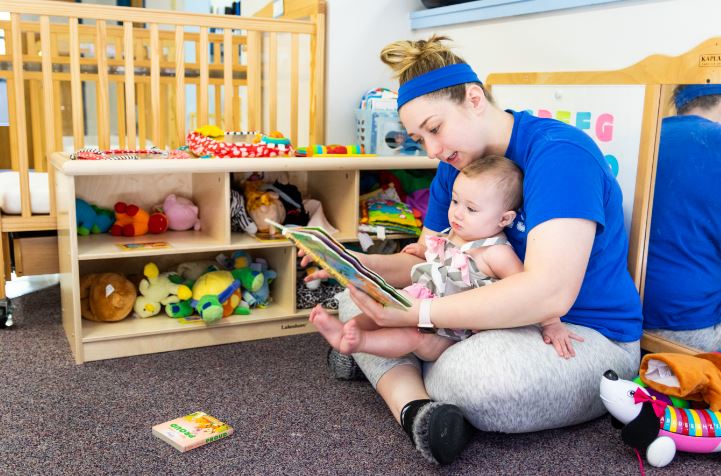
449 433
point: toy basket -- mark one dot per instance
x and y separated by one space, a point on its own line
381 132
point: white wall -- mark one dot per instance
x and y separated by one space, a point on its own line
590 38
356 33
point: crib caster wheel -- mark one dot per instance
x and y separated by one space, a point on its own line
6 314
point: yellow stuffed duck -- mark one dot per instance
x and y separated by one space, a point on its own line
157 290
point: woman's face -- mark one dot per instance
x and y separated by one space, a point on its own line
448 131
477 207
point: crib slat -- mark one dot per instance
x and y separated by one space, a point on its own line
237 108
76 94
317 92
217 108
165 124
155 84
36 111
14 161
141 113
58 115
120 104
180 83
254 49
228 90
49 99
20 118
294 82
273 82
203 88
129 84
101 55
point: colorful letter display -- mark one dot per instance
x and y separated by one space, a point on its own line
610 115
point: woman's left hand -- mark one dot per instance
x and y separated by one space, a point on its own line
385 316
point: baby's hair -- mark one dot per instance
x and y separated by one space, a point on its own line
409 59
508 174
704 103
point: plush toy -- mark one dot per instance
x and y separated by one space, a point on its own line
239 218
241 264
217 294
692 377
182 213
292 200
192 270
158 290
106 297
131 220
656 423
91 218
261 296
262 205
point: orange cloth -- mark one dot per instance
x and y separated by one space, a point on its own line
699 376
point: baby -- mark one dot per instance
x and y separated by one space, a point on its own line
473 252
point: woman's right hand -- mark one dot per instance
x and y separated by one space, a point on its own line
305 260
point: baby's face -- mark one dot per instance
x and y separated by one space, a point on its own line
477 208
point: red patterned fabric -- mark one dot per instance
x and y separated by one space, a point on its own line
201 145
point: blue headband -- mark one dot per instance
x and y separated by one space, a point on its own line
693 91
434 80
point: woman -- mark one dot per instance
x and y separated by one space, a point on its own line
682 299
571 237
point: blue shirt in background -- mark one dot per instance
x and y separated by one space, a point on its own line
566 176
683 272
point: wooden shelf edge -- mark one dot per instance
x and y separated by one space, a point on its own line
273 164
162 324
216 335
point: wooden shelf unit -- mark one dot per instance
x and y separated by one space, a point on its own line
335 181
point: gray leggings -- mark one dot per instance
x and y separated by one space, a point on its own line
707 339
510 381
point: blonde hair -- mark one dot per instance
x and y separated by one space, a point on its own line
509 178
409 59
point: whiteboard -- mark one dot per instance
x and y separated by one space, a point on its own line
610 115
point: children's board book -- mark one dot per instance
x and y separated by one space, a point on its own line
191 431
341 264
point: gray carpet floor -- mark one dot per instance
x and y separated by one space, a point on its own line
290 416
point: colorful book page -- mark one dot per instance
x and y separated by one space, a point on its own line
341 264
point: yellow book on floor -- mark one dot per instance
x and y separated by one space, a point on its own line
192 431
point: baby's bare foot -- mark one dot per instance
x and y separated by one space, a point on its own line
328 326
352 338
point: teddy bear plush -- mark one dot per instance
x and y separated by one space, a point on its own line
262 205
106 297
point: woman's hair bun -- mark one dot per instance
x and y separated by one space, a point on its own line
411 58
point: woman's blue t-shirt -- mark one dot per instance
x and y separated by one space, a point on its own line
566 176
683 271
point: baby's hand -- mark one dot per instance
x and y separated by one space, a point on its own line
415 249
560 337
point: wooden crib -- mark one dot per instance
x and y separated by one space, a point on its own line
71 83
